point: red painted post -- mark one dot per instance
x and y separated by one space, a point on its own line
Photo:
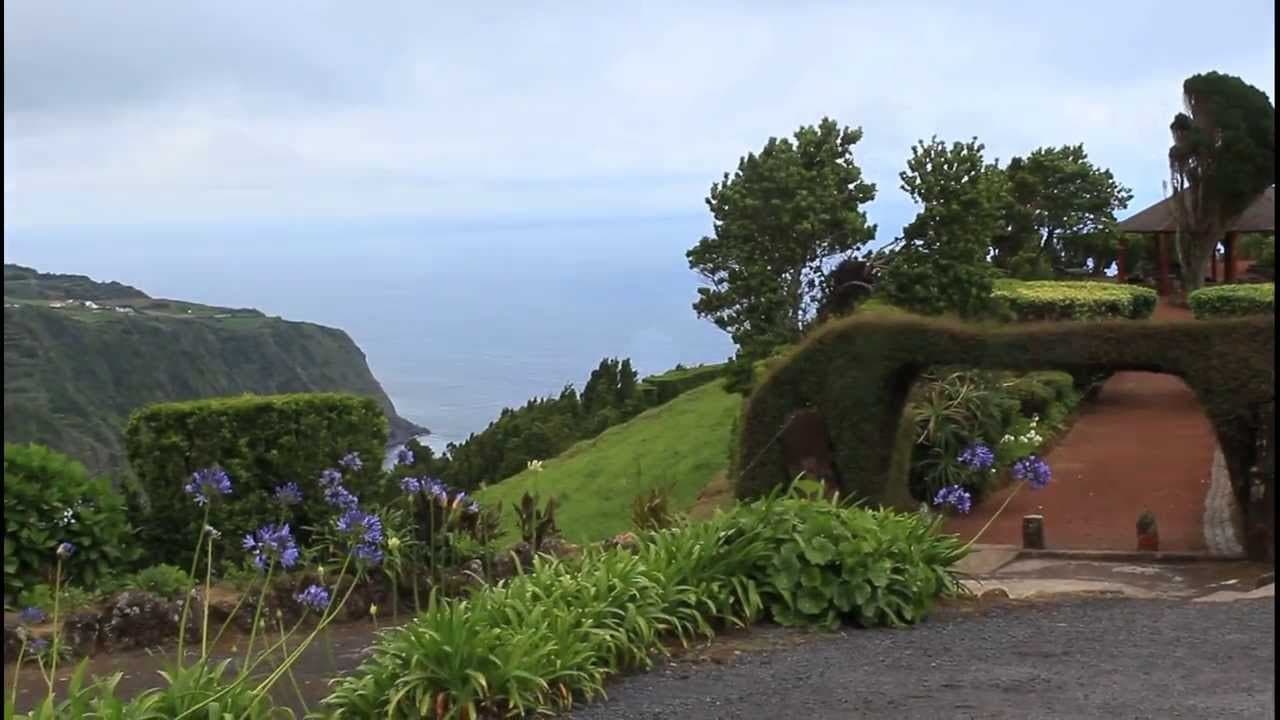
1162 255
1121 272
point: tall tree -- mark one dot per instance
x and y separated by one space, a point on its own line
1061 212
1223 155
779 220
941 265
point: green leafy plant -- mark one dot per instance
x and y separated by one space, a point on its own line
48 499
1146 523
1029 301
536 524
168 581
950 411
69 598
1233 300
652 510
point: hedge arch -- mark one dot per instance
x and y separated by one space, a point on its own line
856 372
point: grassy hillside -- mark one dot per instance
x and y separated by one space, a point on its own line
683 443
74 372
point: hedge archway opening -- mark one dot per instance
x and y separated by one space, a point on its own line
855 374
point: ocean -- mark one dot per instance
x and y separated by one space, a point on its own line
456 320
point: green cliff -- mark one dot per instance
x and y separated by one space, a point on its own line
80 355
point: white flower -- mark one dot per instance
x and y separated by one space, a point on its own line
535 465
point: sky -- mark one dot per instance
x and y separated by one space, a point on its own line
136 119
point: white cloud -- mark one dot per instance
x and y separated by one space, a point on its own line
191 113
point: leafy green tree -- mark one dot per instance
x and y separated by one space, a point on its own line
779 219
941 263
1223 155
1060 213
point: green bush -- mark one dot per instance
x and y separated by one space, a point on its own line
949 410
1233 300
1072 300
675 382
542 640
71 598
857 372
262 442
168 581
49 499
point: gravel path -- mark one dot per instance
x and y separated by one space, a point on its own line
1101 658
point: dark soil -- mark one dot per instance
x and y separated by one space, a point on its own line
1078 659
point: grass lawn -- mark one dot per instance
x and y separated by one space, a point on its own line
683 444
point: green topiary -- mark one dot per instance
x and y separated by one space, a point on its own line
1074 300
49 499
168 581
261 442
1233 300
857 372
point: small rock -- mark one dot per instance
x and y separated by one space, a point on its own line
139 619
993 594
80 633
1264 580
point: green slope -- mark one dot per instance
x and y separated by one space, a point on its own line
683 443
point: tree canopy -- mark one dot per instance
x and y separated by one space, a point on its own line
779 221
941 265
1060 213
1222 156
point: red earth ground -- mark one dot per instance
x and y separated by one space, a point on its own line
1144 443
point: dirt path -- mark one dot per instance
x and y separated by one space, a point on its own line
1143 443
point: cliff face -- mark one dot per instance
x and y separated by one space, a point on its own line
79 356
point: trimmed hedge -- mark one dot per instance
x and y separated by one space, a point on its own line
672 383
857 372
1069 300
1233 300
1037 391
262 441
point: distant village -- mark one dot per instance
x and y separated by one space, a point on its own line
95 307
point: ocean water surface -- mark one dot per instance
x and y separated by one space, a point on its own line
456 321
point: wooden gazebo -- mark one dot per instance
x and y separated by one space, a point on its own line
1158 220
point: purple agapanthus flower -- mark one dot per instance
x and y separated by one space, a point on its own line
32 616
38 646
288 494
437 491
955 497
208 483
330 477
404 456
65 550
340 497
351 461
273 542
313 598
1034 470
369 554
411 485
978 457
364 527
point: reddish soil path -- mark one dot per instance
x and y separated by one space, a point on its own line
1143 443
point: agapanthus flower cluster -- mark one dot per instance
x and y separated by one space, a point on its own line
1034 470
978 457
364 530
335 493
65 550
38 646
954 497
351 461
411 485
288 494
273 543
208 483
404 456
314 597
32 616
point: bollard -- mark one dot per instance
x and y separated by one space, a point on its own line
1033 532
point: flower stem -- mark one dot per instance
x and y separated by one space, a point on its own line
257 613
1003 505
208 586
56 644
186 603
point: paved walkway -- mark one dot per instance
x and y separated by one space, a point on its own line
1143 443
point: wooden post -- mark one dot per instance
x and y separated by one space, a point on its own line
1122 273
1213 265
1033 532
1163 286
1229 257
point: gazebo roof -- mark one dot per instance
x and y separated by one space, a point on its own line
1259 217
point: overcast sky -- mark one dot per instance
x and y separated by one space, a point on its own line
188 114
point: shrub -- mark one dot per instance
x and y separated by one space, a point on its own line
48 499
949 412
1071 300
261 442
857 372
1233 300
652 510
675 382
41 596
167 581
533 644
